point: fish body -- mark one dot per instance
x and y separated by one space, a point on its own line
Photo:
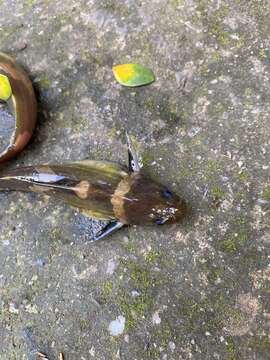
88 185
103 190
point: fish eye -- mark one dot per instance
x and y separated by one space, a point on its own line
160 221
167 194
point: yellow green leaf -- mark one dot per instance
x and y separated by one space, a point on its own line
5 88
133 75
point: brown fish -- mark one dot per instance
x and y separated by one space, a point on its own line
103 190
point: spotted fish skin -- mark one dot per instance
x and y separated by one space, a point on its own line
102 190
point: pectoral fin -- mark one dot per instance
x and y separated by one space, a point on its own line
112 227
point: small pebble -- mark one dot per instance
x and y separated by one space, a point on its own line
172 345
117 326
156 319
13 309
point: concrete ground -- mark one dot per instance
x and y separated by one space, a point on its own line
198 290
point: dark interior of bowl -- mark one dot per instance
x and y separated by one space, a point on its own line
7 126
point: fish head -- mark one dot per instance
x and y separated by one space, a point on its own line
146 202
